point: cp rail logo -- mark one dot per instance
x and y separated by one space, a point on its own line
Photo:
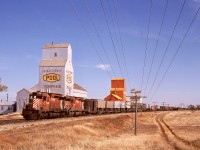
52 77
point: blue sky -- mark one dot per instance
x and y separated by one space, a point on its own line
27 25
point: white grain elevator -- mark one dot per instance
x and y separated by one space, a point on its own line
56 74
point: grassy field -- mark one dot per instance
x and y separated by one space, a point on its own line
156 130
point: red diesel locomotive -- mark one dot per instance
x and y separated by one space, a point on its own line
49 105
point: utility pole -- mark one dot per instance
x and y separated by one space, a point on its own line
154 105
163 104
136 115
7 97
135 96
168 107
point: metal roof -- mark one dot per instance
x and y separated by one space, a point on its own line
118 79
78 87
29 90
52 63
6 103
116 96
47 46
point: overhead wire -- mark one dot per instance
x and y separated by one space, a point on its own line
155 50
178 49
115 32
113 24
166 50
98 35
120 39
146 44
88 35
113 44
121 42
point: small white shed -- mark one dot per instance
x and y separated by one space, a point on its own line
7 107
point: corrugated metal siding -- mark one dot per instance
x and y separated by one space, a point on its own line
22 99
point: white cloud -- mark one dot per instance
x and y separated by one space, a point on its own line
103 66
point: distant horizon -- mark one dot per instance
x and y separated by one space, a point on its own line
28 25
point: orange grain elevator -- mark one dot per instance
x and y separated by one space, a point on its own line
117 91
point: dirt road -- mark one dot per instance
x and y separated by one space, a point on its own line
171 137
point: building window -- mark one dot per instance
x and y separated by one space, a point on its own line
8 108
1 107
55 54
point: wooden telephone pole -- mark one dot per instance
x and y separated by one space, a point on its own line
136 95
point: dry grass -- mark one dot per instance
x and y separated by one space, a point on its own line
97 133
186 125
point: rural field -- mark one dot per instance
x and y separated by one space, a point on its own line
156 130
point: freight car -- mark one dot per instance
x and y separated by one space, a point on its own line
49 105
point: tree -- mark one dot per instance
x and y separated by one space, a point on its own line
191 107
198 107
3 87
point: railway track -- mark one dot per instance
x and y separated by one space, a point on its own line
175 141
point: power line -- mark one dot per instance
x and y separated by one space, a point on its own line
155 50
84 28
118 45
145 52
166 50
119 31
111 37
98 35
176 51
113 23
94 24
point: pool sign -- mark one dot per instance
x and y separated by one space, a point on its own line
52 77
